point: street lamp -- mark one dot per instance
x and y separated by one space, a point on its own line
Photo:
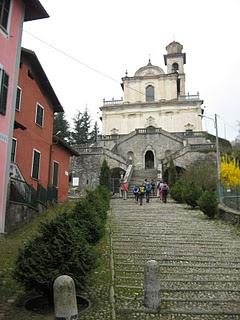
217 153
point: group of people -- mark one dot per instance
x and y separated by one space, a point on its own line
148 187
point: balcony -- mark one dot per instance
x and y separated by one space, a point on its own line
189 97
112 102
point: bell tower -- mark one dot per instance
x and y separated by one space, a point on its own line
175 60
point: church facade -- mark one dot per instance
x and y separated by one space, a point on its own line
154 98
154 122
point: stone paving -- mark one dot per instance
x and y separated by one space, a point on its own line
199 262
199 265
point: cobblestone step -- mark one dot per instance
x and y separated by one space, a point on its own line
199 262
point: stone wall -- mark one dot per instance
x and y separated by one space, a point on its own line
140 143
229 215
188 157
87 166
19 213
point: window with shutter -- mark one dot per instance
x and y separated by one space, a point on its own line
3 91
18 99
55 173
36 164
39 115
13 152
4 13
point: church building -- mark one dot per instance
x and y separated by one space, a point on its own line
154 122
154 98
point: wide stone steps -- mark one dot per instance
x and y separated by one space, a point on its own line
138 177
199 262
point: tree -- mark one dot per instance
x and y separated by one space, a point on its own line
94 133
61 126
172 173
81 128
105 175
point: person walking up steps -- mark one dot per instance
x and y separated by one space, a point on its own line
160 185
148 189
136 193
125 190
141 194
165 190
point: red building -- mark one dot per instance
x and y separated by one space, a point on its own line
41 159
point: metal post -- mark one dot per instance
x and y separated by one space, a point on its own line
218 160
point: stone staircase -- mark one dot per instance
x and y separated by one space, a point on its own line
138 177
199 262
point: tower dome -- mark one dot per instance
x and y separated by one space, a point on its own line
174 47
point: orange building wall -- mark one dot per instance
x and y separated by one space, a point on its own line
34 137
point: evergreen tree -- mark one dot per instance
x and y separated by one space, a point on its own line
172 173
105 175
61 126
81 128
94 133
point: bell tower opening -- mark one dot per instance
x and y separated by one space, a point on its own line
149 160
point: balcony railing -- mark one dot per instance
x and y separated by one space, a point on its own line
189 97
111 102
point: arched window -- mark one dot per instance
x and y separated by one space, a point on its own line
175 67
149 93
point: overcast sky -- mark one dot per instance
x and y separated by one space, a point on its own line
85 47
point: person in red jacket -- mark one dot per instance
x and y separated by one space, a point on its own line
125 190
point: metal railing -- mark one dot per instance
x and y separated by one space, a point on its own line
111 102
22 192
189 97
230 197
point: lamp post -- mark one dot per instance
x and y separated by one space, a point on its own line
217 154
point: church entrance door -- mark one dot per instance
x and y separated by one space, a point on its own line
149 160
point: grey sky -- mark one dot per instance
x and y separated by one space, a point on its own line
111 36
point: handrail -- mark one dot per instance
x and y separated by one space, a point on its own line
128 174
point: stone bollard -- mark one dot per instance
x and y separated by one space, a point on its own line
151 286
65 301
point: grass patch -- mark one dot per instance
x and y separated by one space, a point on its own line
10 243
97 291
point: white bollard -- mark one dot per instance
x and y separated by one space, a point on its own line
65 301
152 286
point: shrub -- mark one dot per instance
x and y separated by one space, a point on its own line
91 213
208 203
105 196
61 248
230 171
172 173
176 191
64 245
203 174
191 193
88 217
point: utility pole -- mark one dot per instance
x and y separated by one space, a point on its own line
218 167
218 159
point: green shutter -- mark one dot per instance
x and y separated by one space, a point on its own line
4 12
3 92
17 107
36 164
55 174
13 152
39 116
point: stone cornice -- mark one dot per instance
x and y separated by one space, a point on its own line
161 103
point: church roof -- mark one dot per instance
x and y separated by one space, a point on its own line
149 70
